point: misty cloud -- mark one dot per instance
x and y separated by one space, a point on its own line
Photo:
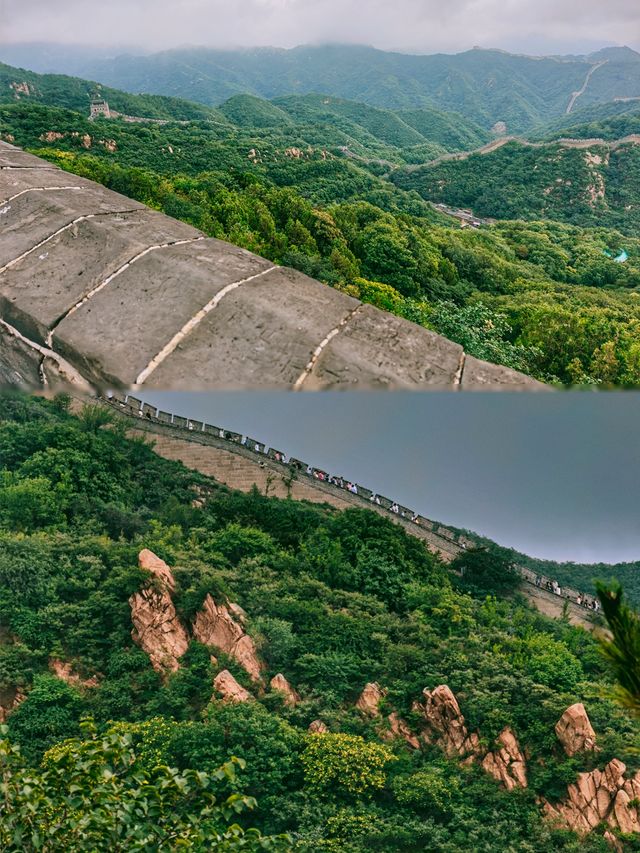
418 25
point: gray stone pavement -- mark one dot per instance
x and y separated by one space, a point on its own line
96 288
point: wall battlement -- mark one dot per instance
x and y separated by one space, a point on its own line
241 462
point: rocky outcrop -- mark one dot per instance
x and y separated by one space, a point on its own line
65 671
215 626
575 731
225 684
399 728
10 699
602 796
507 764
446 727
317 727
156 627
445 724
370 698
280 683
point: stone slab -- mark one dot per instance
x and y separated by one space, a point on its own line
38 290
17 181
261 335
18 363
379 351
482 376
16 157
32 218
115 335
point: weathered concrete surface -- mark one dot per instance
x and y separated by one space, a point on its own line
119 295
480 376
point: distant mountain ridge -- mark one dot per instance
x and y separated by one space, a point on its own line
486 86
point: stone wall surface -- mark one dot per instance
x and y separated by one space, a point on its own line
98 290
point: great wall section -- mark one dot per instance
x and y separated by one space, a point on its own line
98 291
242 462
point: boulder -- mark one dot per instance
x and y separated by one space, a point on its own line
601 796
444 720
575 731
507 764
370 699
317 727
156 627
228 687
280 683
214 625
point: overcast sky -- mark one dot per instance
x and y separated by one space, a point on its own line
555 476
427 26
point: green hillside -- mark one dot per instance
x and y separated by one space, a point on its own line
249 111
333 601
594 187
19 85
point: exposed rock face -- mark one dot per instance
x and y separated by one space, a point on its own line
231 691
317 727
398 728
370 699
149 562
215 626
575 731
445 721
280 683
446 727
507 764
64 670
597 797
156 627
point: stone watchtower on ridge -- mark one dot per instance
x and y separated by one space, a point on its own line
99 107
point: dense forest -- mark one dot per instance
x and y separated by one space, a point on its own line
333 600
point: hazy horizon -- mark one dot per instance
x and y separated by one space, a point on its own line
553 476
547 27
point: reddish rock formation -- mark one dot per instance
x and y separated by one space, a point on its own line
445 721
64 670
317 727
156 627
229 688
370 699
215 626
574 730
602 796
507 764
280 683
398 728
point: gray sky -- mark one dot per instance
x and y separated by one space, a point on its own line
416 25
555 476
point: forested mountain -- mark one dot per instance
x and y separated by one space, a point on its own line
594 186
485 86
99 537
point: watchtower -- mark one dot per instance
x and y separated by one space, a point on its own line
99 107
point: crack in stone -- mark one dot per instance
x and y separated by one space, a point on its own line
457 379
65 367
107 281
177 339
39 190
60 231
321 347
